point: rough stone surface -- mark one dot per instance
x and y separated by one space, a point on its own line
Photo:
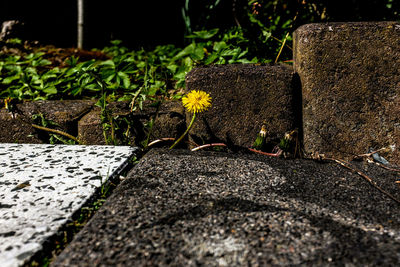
178 208
15 131
18 124
41 186
350 76
243 97
81 118
90 130
170 122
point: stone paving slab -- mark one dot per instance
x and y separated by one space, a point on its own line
178 208
41 186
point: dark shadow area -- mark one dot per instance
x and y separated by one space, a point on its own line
350 242
298 106
137 23
48 21
148 23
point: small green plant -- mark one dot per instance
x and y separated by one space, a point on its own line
54 136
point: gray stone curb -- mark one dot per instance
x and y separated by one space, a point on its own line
179 208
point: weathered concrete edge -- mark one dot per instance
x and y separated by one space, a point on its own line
108 242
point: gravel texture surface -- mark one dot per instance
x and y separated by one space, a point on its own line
182 208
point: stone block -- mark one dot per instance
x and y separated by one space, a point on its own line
350 77
243 97
170 122
14 131
18 124
90 130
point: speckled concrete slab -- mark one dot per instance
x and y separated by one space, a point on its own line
179 208
41 186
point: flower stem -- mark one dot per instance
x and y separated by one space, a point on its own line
187 130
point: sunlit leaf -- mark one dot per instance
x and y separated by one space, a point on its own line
203 34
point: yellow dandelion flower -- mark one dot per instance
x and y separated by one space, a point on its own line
196 101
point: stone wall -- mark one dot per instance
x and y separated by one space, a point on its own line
342 94
83 120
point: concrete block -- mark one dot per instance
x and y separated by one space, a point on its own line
18 124
14 131
243 97
90 130
179 208
170 122
350 78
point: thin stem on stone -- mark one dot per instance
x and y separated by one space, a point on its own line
56 132
187 130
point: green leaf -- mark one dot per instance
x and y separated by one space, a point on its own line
9 80
32 56
211 58
50 90
72 61
13 59
126 97
203 34
218 46
267 35
93 87
231 52
53 73
125 79
108 63
116 42
141 65
14 41
155 87
14 68
44 62
185 52
107 74
180 75
172 68
198 53
72 71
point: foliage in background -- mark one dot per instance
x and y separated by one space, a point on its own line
257 31
266 23
126 75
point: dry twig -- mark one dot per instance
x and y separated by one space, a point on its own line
350 167
56 132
